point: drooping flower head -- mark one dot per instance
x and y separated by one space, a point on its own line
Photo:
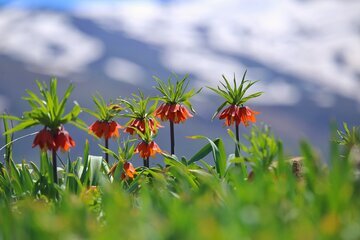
128 171
234 114
53 140
63 140
140 114
147 149
176 113
175 100
104 127
234 96
44 139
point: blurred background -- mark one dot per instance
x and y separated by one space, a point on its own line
305 53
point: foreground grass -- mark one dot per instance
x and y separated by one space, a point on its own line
189 198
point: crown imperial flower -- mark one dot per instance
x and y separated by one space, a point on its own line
44 140
139 124
146 150
104 129
175 100
47 140
129 171
235 97
176 113
63 140
234 114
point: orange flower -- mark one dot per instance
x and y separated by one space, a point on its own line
174 112
63 140
147 149
140 125
129 171
238 114
44 139
105 129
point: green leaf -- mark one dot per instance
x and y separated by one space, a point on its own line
219 154
21 126
95 169
62 104
86 162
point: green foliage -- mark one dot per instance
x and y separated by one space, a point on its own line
104 111
47 109
262 148
258 195
187 199
137 107
175 93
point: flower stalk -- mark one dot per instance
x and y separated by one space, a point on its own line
172 137
54 165
175 100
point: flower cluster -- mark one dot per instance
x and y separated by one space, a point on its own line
143 123
140 125
234 114
147 149
48 140
175 113
104 129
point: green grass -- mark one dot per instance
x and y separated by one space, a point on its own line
189 198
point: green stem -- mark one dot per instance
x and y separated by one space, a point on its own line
107 147
237 145
146 162
172 137
54 166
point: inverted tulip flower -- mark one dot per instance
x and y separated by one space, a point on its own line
140 114
147 149
128 171
105 129
105 126
235 99
175 102
234 114
139 123
48 111
175 113
63 140
44 139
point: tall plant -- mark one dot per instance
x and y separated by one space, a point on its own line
48 111
236 112
175 100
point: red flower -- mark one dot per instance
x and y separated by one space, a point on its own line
105 129
238 114
174 112
63 140
129 171
49 141
147 149
44 139
140 125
